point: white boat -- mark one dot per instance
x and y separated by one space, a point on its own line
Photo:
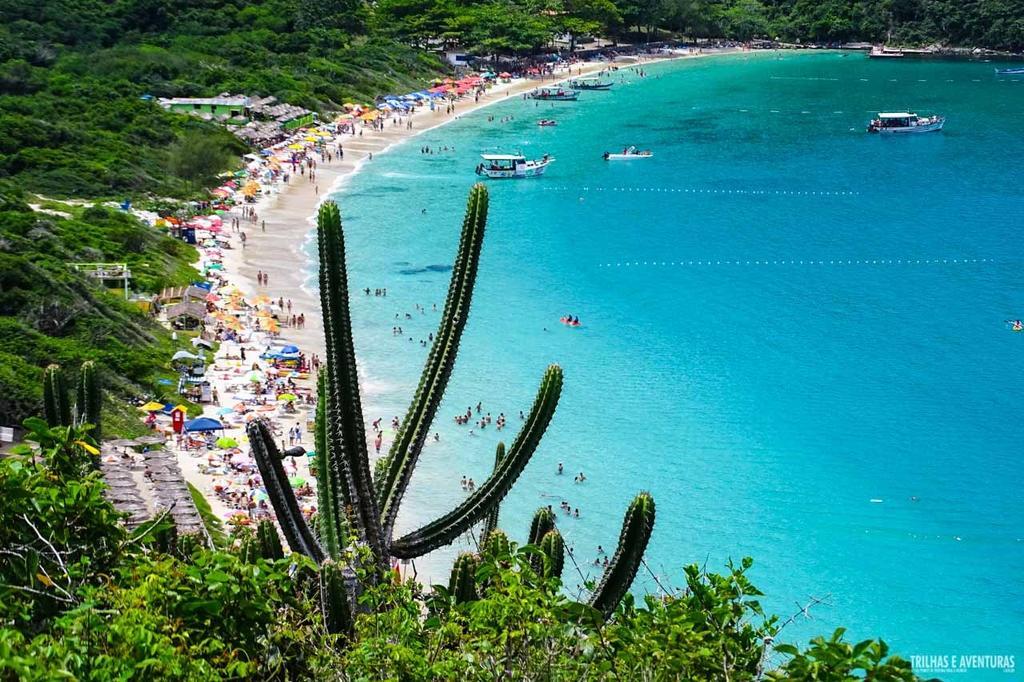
1015 71
554 94
905 122
882 52
512 166
627 154
590 84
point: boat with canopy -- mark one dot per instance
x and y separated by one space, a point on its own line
498 166
905 122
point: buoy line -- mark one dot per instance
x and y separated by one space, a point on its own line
807 262
706 190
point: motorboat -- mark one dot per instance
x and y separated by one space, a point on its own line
628 153
1015 71
547 122
905 122
498 166
590 84
882 52
554 94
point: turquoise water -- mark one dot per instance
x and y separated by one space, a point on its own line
853 426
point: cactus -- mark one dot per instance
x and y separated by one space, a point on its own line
480 502
553 548
491 520
89 401
282 497
349 463
543 521
248 549
357 506
334 599
329 512
268 541
637 527
405 451
56 407
497 545
462 584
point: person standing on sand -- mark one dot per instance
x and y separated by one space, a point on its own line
264 225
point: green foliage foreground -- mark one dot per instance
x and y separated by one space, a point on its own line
81 599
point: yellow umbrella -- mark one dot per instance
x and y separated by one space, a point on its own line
295 146
152 406
251 188
180 408
369 115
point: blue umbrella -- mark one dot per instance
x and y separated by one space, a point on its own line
289 349
203 424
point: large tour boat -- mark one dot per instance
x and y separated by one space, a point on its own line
904 122
590 84
512 166
554 94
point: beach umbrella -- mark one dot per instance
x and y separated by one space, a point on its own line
122 443
225 410
152 406
297 481
290 349
197 341
255 376
287 397
227 442
203 424
183 355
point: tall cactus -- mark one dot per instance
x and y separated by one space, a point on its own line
637 527
491 520
553 547
462 583
408 445
89 401
350 498
56 406
349 463
334 599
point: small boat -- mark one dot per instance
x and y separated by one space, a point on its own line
904 122
1015 71
512 166
547 122
882 52
590 84
627 154
554 95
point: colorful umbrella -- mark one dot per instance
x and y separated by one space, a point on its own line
227 442
152 406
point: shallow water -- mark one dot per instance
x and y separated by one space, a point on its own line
793 332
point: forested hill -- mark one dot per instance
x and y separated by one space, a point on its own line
72 71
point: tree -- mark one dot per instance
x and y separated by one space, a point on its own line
198 159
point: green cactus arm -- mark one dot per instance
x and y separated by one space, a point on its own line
89 404
56 406
637 527
445 529
408 444
462 583
269 541
327 504
542 523
497 545
282 497
349 463
491 520
553 547
335 604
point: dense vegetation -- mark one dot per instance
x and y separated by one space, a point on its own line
50 313
82 599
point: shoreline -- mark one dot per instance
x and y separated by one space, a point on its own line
289 216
